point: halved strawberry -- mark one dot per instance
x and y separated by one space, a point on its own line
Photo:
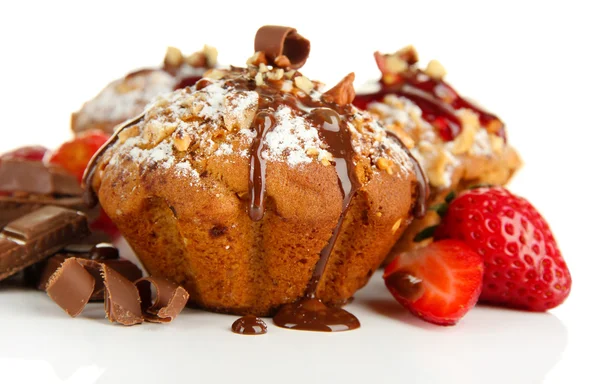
439 283
74 155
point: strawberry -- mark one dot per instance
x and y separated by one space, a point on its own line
33 153
523 265
439 283
74 155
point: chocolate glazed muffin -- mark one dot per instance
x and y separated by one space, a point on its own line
253 188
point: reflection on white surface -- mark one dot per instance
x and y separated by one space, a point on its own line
199 346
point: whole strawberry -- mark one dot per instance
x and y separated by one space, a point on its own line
523 265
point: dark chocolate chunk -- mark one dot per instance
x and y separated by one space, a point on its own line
104 251
71 287
38 235
13 207
249 325
85 244
169 301
277 41
18 175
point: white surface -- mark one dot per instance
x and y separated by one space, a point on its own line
537 66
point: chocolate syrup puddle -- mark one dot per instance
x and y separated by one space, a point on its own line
438 102
249 325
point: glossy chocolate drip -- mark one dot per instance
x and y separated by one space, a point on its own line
312 315
263 123
420 208
89 195
437 100
249 325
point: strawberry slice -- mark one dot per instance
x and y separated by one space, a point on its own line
439 283
74 155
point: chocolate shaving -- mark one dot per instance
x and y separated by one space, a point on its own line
17 175
73 284
71 287
37 235
343 92
277 41
169 301
77 280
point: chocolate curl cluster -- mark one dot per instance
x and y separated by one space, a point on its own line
125 302
283 47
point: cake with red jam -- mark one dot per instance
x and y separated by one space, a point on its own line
457 143
256 187
126 97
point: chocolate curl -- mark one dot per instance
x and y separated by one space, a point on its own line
71 287
283 46
343 93
73 284
169 301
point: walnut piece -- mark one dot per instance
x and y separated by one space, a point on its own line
435 70
304 84
275 74
342 93
282 61
181 141
211 54
173 57
196 60
257 59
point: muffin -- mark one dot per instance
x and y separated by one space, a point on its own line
457 143
126 97
237 187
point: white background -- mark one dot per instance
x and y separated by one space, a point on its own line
535 64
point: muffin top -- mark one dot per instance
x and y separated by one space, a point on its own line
261 113
126 97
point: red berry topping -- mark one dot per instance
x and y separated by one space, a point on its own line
439 283
33 153
74 155
523 265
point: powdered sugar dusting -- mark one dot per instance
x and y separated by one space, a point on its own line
292 136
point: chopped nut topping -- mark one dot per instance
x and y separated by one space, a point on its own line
128 133
196 60
408 54
181 141
312 151
343 93
211 54
262 68
257 59
470 124
173 57
282 61
275 74
395 64
304 84
435 70
497 143
259 79
289 74
214 74
384 164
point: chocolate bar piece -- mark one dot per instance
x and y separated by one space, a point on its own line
18 175
37 235
169 301
13 207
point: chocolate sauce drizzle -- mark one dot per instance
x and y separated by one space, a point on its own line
249 325
437 100
89 195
